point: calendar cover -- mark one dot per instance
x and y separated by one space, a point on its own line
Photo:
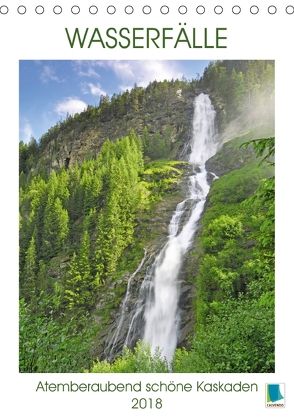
146 178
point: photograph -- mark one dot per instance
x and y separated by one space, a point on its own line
146 216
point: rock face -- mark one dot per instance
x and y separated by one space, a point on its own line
82 137
128 324
230 157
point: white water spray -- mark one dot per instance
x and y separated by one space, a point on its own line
123 311
161 310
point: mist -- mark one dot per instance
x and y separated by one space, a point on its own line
257 118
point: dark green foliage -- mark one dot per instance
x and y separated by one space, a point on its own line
156 146
30 271
242 89
103 193
263 146
52 345
237 338
55 227
75 225
28 155
80 287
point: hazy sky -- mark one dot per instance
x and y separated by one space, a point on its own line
49 90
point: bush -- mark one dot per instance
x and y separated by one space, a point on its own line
139 360
238 338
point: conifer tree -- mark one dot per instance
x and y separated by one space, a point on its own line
72 284
30 271
42 278
79 286
55 227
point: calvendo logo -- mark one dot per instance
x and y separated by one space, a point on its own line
275 395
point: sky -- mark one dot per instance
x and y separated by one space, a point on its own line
49 90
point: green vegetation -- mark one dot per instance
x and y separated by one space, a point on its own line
53 344
243 91
85 215
84 224
161 177
158 113
233 270
234 330
77 235
133 361
161 113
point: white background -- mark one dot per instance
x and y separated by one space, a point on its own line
30 36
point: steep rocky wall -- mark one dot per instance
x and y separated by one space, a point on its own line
74 142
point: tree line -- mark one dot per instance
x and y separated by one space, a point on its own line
83 218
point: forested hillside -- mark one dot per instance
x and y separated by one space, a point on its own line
75 228
97 193
242 92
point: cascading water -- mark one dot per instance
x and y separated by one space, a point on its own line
123 310
157 303
161 309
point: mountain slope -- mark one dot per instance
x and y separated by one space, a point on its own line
91 209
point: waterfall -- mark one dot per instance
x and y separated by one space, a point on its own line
109 350
161 307
155 315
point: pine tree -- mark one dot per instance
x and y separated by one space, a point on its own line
56 227
42 278
83 260
30 272
80 287
72 284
